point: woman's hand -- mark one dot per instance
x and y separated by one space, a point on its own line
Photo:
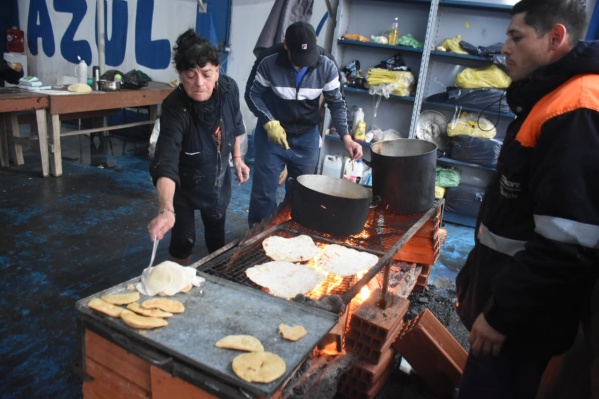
241 170
161 224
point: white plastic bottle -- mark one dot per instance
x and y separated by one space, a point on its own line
81 71
356 174
358 117
353 170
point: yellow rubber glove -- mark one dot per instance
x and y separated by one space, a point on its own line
276 134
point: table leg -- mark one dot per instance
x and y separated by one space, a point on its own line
16 148
54 138
42 133
4 161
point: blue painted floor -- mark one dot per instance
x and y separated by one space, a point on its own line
66 238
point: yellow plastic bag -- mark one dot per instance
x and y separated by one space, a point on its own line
402 81
452 45
470 124
439 192
477 78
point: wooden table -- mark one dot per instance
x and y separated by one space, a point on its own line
98 103
13 102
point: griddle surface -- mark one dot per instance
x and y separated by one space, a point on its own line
219 308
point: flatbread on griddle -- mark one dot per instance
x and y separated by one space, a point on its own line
247 343
344 261
295 249
292 333
136 307
285 279
262 367
137 321
108 309
166 304
121 299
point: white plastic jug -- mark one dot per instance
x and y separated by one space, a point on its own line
332 166
353 170
81 71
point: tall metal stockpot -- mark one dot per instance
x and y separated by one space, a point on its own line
403 174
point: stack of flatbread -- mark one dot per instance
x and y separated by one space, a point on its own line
169 278
149 314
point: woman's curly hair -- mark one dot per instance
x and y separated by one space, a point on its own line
192 51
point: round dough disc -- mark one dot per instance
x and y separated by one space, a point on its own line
262 367
159 278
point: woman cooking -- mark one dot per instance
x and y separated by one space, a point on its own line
200 127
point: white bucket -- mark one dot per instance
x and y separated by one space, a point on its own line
332 166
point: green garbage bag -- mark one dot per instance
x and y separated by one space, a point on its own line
447 177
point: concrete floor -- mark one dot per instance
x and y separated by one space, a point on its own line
66 238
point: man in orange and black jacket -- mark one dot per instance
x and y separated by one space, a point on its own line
525 286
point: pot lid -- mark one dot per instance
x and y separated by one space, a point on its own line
432 126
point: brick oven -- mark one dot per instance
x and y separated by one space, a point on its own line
355 320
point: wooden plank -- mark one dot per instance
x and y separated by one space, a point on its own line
12 100
15 148
118 360
165 386
153 94
4 160
42 134
109 384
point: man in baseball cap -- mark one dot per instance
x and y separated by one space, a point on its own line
300 41
284 91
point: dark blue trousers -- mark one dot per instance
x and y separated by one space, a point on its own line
270 160
511 375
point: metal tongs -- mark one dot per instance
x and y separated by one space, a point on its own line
145 273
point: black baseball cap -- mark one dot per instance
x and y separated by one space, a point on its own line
301 43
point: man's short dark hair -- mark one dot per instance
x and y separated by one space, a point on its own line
542 15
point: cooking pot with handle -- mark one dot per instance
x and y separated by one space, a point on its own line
330 205
403 174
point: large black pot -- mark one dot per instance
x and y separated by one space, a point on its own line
330 205
403 174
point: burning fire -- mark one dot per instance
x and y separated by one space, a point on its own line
335 284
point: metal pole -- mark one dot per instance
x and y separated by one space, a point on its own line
101 36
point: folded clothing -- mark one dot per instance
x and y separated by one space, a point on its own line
30 81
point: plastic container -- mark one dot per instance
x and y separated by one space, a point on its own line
81 71
394 32
360 132
332 166
353 170
358 117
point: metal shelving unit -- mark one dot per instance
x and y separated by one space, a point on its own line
481 22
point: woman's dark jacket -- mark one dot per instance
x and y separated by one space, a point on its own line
186 150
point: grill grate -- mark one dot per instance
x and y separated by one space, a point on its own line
232 265
381 231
